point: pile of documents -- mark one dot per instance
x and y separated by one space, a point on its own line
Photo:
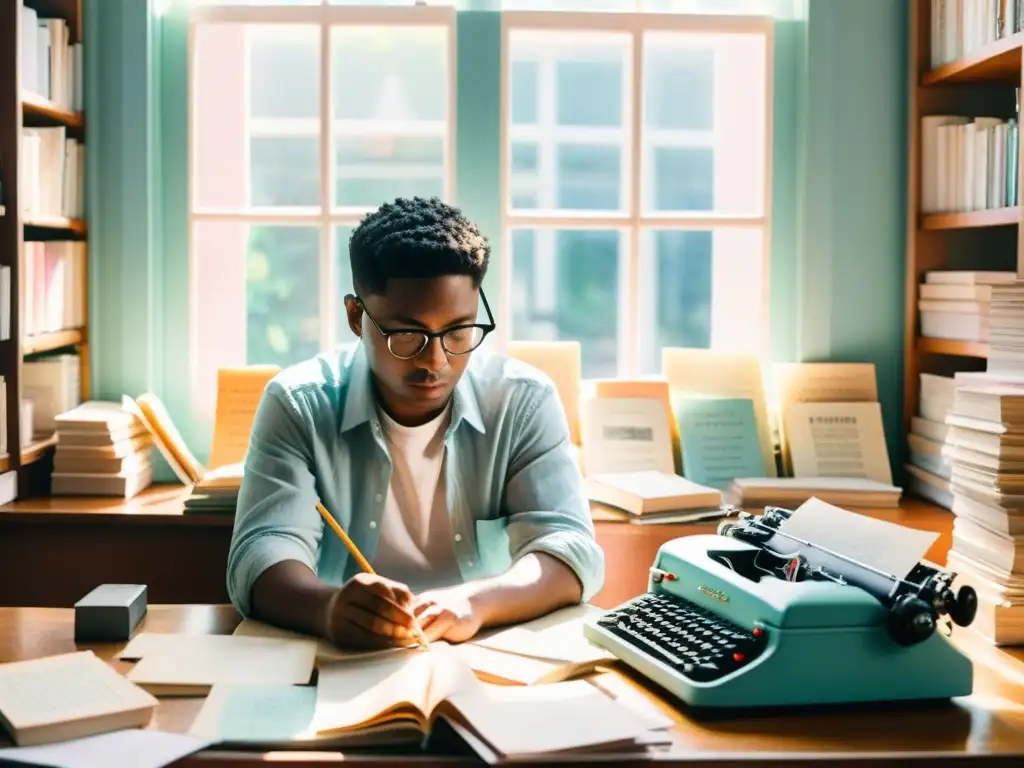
102 450
260 695
985 446
928 468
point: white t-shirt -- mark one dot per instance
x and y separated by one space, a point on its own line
415 545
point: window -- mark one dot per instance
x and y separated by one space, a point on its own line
305 117
635 197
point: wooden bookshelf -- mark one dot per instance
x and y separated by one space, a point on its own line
23 108
981 83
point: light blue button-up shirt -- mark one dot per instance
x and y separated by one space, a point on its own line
511 479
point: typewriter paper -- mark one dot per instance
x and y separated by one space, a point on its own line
886 546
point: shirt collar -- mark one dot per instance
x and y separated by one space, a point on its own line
359 399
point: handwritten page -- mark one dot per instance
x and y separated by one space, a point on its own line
719 439
886 546
626 434
562 362
131 748
721 374
60 690
837 440
239 391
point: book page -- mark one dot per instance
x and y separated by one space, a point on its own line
59 689
837 440
356 692
239 391
719 439
205 660
151 412
562 361
503 666
719 374
626 434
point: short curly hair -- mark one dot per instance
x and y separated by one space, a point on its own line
415 237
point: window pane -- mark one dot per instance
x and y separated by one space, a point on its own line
254 130
255 299
565 286
376 169
343 268
285 171
702 289
390 73
588 178
568 134
282 294
704 122
390 108
284 71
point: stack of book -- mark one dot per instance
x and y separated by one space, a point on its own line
985 445
216 493
928 469
101 451
956 305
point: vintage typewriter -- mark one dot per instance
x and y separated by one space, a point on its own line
752 617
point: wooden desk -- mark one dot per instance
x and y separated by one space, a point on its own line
54 550
985 727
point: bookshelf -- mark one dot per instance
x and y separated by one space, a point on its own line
40 108
979 82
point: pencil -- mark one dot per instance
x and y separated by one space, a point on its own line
364 563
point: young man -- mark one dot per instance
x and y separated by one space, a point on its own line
452 473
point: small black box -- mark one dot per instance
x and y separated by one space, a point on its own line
110 613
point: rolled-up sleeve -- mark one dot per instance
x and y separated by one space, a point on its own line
276 517
547 506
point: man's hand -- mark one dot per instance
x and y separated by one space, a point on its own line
370 612
447 614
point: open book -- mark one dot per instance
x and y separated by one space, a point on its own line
415 688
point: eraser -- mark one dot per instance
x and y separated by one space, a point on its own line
110 613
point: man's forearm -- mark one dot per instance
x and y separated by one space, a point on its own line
537 584
291 596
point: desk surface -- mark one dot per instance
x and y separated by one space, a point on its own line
987 726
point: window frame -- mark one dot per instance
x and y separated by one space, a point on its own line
633 219
326 217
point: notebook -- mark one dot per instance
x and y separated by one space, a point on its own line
69 696
415 688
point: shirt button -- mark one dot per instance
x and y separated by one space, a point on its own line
458 537
373 523
378 497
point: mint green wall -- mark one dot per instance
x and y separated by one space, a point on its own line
853 175
838 181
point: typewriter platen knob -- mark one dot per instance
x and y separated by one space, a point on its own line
963 609
911 620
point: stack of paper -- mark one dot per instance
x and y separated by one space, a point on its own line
956 305
985 447
102 450
216 493
928 469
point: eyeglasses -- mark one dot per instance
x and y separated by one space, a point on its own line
458 340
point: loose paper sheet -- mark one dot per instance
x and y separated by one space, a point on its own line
626 434
131 748
239 391
557 636
889 547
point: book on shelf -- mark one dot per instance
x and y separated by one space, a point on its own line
51 65
968 164
52 386
957 305
960 28
54 286
52 179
